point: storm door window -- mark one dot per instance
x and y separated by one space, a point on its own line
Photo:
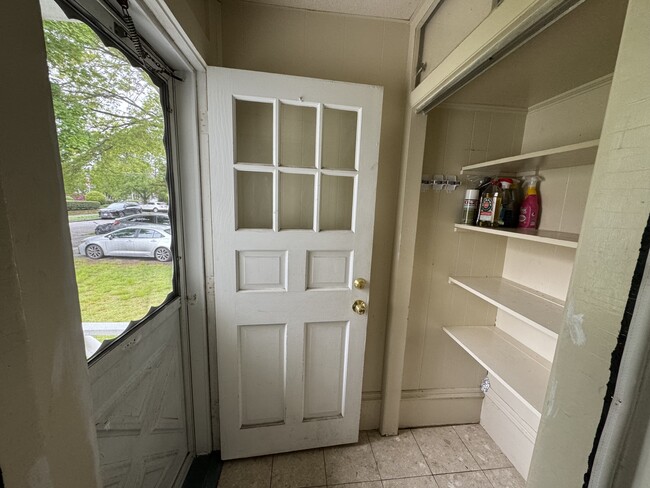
111 125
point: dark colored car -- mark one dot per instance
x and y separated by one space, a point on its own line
119 209
137 219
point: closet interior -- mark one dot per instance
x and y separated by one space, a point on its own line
493 299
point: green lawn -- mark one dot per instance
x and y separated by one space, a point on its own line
120 290
82 217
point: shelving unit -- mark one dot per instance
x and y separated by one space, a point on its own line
563 239
521 370
579 154
530 306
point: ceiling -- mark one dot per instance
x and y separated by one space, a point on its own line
388 9
580 47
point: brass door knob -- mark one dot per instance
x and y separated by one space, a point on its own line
359 307
360 283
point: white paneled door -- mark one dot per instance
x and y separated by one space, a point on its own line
294 171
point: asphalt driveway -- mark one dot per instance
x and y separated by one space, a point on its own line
80 230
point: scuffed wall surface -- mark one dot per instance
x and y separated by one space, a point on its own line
47 436
343 48
617 211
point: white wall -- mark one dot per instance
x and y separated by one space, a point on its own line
48 437
571 117
617 210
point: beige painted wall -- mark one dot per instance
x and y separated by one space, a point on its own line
617 211
200 20
343 48
47 433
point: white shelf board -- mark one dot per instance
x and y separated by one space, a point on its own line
523 372
532 307
579 154
555 238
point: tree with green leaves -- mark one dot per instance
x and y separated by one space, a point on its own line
109 118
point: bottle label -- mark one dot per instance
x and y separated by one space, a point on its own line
486 213
470 204
527 217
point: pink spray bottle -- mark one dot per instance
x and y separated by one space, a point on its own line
529 211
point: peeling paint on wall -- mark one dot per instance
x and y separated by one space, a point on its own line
551 408
574 323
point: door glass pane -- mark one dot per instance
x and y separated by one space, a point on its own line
339 138
297 136
296 201
254 200
337 194
254 132
111 120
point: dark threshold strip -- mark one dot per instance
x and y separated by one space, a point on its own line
204 472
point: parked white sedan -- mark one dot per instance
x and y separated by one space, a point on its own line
155 207
146 241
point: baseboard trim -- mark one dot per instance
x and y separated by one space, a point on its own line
422 408
513 417
512 434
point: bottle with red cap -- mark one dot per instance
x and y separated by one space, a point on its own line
509 211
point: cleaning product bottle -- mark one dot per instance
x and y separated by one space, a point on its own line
509 214
529 212
490 206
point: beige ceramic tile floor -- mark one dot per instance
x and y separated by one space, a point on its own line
460 456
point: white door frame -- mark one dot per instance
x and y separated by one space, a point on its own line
158 25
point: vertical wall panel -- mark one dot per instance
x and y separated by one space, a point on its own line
455 136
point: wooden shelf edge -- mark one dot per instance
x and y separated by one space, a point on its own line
548 330
552 153
507 374
562 239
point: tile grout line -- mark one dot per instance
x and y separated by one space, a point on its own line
324 466
422 452
271 474
374 458
467 447
471 454
489 480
